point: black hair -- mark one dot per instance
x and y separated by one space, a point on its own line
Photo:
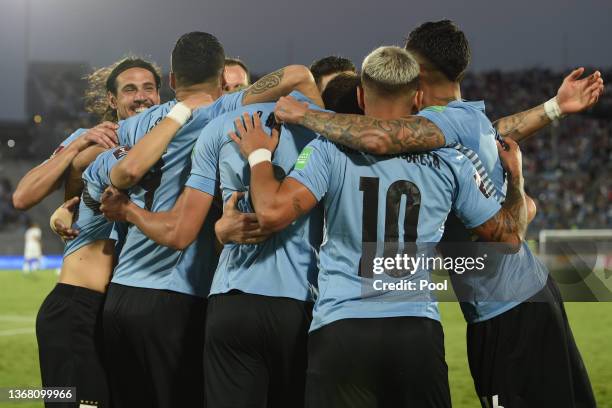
330 65
444 45
197 57
111 81
340 94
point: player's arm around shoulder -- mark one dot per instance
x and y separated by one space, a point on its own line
364 133
281 83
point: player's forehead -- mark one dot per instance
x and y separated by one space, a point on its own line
235 71
135 76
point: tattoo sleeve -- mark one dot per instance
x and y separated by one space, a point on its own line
523 124
363 133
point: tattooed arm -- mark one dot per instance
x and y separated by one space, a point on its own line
574 95
283 82
364 133
510 223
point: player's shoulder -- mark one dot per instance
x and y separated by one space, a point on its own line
452 158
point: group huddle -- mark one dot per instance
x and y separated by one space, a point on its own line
220 247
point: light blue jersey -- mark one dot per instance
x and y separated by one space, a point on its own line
518 276
369 200
285 265
90 222
144 263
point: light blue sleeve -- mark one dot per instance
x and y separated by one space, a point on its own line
313 167
67 141
205 159
437 114
472 204
106 161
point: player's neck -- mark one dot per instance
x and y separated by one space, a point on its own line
388 109
440 94
197 89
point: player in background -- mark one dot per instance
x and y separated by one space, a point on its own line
370 346
443 54
32 252
133 88
236 75
325 69
157 294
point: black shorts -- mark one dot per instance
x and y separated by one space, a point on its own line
69 335
154 341
378 363
527 357
255 353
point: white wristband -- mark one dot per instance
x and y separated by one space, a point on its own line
180 113
260 155
552 109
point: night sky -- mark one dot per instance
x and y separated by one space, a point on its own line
268 34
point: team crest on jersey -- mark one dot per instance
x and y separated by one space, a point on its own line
121 151
481 185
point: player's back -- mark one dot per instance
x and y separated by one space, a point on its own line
373 206
144 263
284 265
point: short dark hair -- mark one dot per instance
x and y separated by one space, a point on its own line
124 65
231 62
330 65
340 94
444 45
197 57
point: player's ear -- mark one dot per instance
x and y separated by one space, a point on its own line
223 81
112 100
172 81
360 97
418 100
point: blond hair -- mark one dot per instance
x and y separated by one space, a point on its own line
390 69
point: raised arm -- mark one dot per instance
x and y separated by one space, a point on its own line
277 204
144 154
509 225
364 133
283 82
47 177
574 95
176 228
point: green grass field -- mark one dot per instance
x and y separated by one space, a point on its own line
22 295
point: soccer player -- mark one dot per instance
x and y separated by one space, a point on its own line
370 346
133 87
32 251
325 69
236 75
545 372
155 309
70 353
